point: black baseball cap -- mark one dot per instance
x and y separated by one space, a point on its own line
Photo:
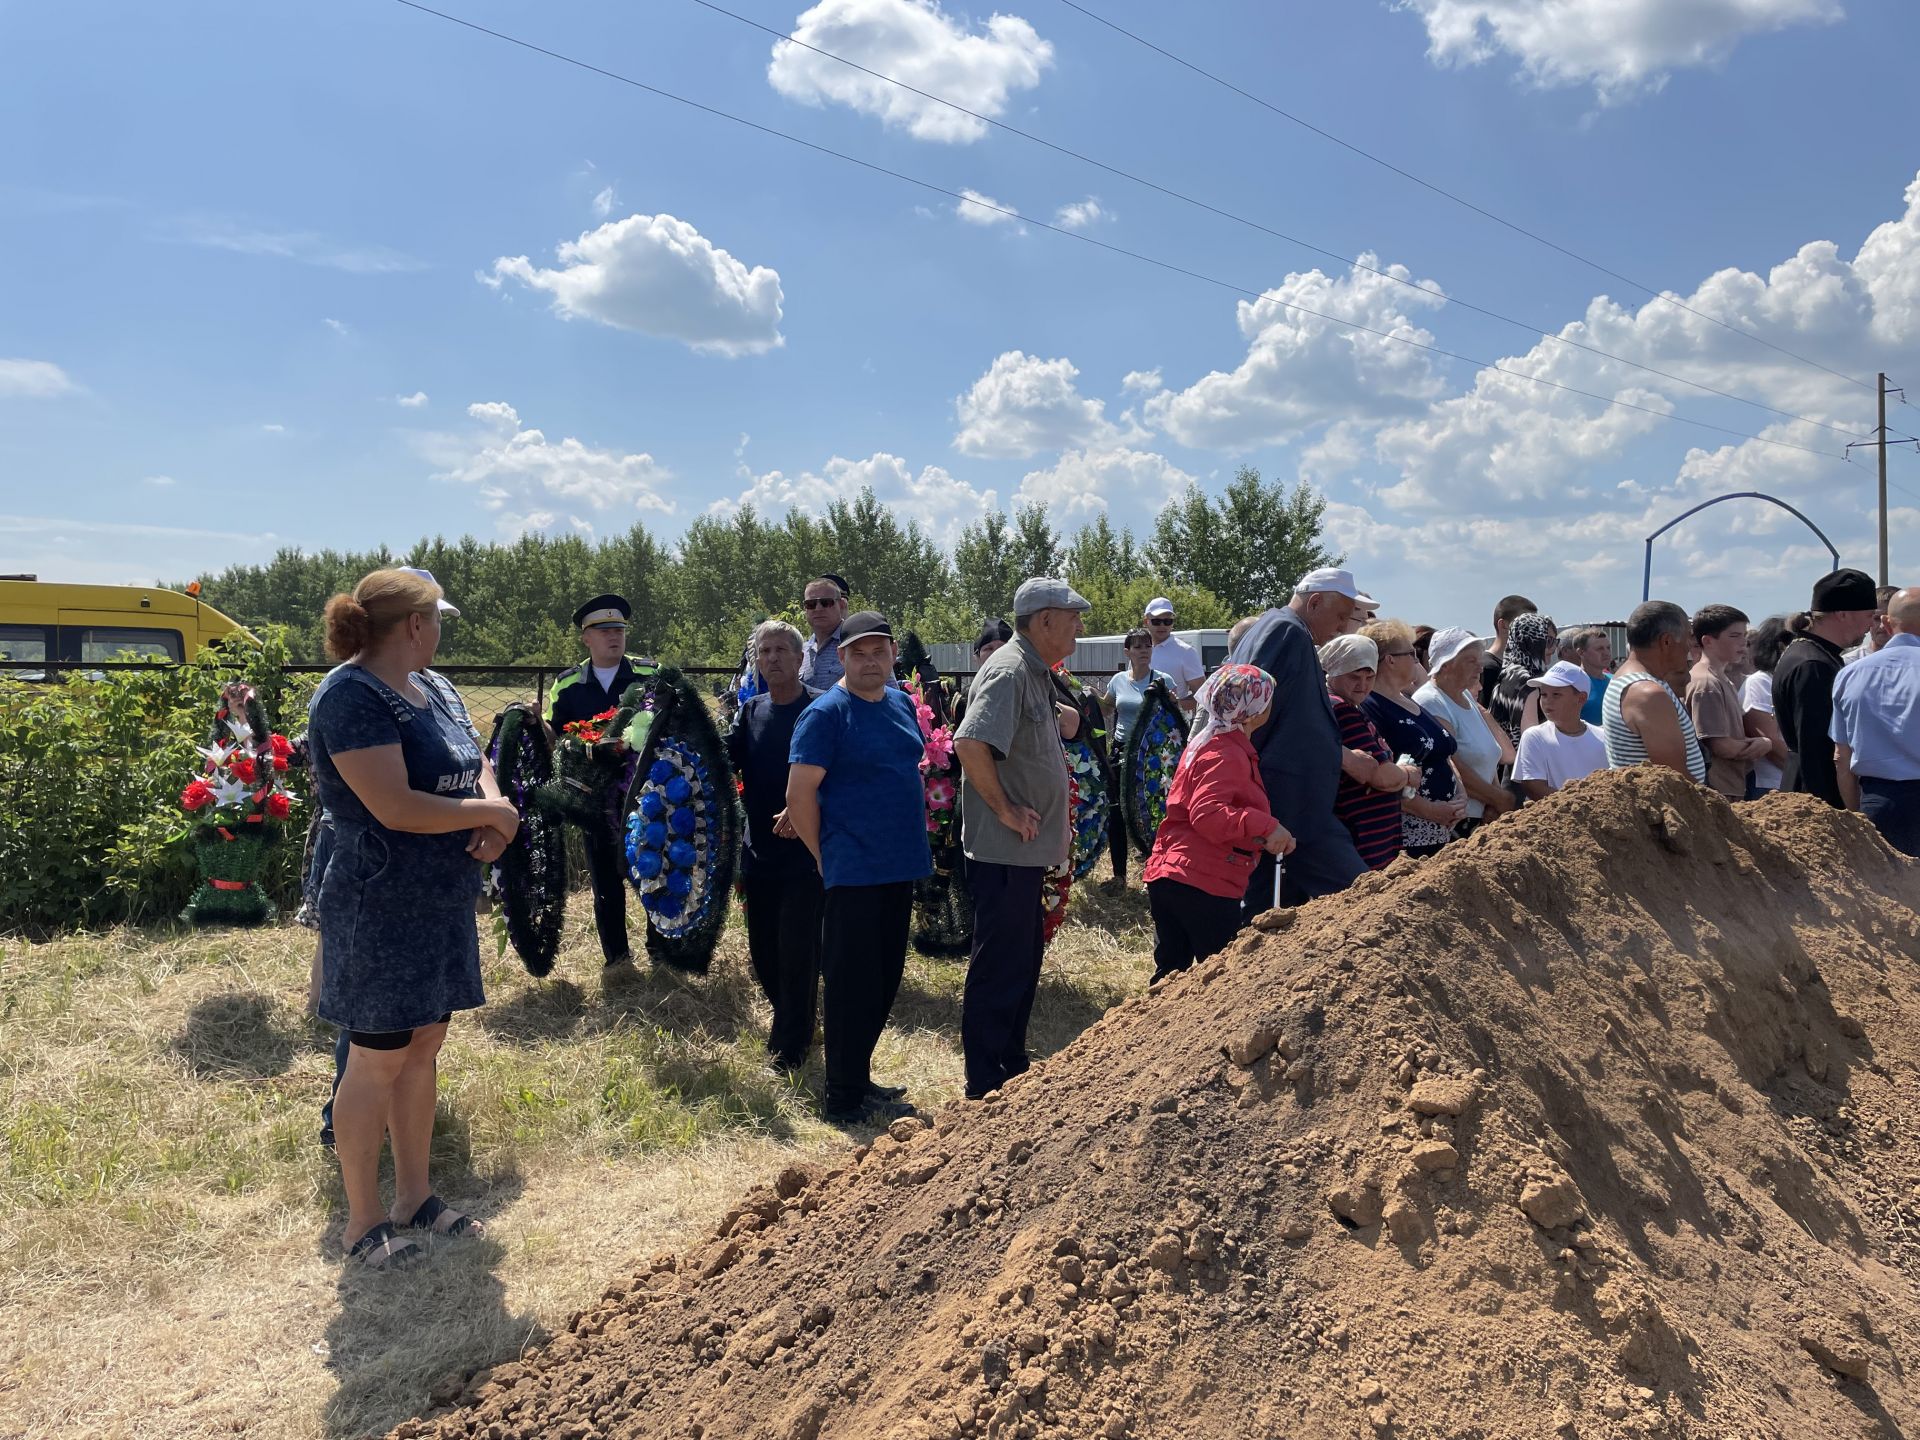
863 623
1844 590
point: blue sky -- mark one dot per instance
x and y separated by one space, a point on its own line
293 276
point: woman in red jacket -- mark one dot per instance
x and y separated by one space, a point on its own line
1217 824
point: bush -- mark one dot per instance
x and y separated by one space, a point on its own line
91 770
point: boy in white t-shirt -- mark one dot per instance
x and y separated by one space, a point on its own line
1563 747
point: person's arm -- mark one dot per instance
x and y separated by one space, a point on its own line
803 806
1499 733
1067 718
1762 726
1651 714
1527 768
1495 797
1534 789
1843 772
983 774
377 775
1211 809
1440 812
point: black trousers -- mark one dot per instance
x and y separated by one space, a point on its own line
607 872
1189 924
863 952
1003 974
783 942
1894 808
1117 842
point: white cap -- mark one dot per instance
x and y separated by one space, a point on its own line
1563 675
446 607
1330 581
1159 605
1447 644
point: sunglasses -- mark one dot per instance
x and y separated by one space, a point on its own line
1161 620
820 604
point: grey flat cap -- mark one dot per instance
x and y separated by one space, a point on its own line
1045 593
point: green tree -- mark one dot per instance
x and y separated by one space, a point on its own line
1119 604
1098 554
1249 547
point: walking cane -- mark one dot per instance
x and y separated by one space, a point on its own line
1279 869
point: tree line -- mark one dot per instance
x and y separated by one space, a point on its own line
694 602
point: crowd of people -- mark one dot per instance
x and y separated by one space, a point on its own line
1331 741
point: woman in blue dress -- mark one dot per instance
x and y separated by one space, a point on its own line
415 814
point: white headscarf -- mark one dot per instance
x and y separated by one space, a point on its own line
1344 654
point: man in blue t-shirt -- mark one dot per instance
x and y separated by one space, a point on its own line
856 800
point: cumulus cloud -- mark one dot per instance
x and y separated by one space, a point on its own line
1024 405
978 209
417 400
1301 368
34 380
919 44
1131 485
1620 47
532 483
932 496
1080 214
660 276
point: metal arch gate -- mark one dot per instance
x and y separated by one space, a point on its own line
1646 574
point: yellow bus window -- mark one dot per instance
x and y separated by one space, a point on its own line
99 643
24 643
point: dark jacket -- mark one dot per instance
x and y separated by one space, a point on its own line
1803 707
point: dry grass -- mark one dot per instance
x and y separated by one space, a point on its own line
169 1226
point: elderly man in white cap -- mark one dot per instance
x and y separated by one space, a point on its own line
1172 655
1299 746
1015 824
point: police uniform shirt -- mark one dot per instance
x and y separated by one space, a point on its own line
579 695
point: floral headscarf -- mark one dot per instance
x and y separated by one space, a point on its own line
1529 652
1231 694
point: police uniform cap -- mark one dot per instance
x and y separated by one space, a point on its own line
603 610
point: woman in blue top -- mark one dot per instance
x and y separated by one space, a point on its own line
415 813
1126 692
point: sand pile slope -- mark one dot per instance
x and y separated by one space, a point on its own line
1601 1124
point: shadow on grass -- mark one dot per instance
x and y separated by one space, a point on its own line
236 1035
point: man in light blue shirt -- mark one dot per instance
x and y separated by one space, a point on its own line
825 601
1876 728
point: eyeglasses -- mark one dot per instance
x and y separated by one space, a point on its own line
1160 620
817 604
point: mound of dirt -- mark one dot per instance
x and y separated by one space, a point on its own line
1599 1124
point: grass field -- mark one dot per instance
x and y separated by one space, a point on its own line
169 1227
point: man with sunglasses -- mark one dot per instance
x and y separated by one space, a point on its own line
825 601
1172 655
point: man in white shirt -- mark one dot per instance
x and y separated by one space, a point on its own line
1563 747
1174 656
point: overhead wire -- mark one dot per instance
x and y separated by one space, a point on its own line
1107 246
1457 199
1321 250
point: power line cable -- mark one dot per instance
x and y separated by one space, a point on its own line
1107 246
1456 198
1307 245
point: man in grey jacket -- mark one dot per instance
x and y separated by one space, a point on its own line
1299 746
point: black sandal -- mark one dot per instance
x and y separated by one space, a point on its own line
381 1249
433 1210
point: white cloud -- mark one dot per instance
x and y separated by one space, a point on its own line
1620 47
416 401
918 44
978 209
1080 214
1301 369
1131 485
273 429
159 482
604 202
532 483
933 497
660 276
304 246
338 327
34 380
105 552
1024 405
1143 382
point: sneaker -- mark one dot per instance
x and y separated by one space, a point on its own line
870 1111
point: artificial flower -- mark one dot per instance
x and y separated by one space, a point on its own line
228 791
243 769
281 747
279 807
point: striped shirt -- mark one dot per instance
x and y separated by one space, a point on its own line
1624 745
1371 816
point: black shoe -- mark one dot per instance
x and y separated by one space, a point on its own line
326 1136
870 1111
886 1092
625 958
786 1066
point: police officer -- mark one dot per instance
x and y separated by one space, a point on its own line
592 688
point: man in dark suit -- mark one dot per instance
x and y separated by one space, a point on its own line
1299 746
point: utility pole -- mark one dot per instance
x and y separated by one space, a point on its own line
1881 435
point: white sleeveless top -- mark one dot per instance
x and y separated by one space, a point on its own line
1624 745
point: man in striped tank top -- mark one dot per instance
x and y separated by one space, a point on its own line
1642 717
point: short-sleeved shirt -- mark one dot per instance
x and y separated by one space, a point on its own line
758 746
873 804
1876 710
1371 815
1548 753
1010 711
1756 698
1594 710
1479 747
1430 745
1182 663
1129 695
1715 707
820 665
